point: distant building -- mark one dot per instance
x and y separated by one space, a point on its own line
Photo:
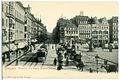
66 31
78 29
84 29
100 31
113 27
70 32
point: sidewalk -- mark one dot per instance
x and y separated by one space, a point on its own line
13 56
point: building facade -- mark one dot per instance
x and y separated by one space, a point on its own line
113 27
100 31
19 27
66 31
78 29
70 33
8 28
84 29
19 24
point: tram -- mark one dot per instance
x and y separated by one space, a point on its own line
41 54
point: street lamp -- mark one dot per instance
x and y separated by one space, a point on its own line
96 57
16 53
91 21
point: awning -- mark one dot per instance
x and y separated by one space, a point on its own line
12 47
21 45
4 49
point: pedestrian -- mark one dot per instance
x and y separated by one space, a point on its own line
25 49
80 65
65 54
34 46
59 67
19 52
3 58
55 62
90 70
67 62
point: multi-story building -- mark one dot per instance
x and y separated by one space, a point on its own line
19 27
113 27
34 29
41 31
84 29
70 32
19 24
100 31
66 31
28 25
8 28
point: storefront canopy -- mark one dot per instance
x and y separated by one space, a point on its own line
21 45
25 43
34 40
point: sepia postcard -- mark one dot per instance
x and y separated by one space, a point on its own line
60 39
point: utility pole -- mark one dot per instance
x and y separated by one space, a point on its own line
96 57
16 43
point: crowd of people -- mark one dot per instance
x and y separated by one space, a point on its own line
66 52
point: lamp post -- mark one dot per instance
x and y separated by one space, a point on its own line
91 21
16 53
96 57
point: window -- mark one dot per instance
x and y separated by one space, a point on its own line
76 32
2 7
66 32
25 21
2 22
100 32
24 35
6 9
6 35
11 35
25 28
6 22
71 32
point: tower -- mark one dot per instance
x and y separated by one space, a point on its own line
81 13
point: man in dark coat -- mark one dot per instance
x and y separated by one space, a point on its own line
55 62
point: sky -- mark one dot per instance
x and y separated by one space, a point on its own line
50 12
